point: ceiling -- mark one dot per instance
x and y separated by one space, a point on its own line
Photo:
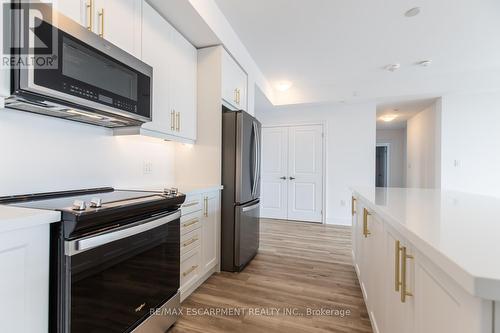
336 50
403 110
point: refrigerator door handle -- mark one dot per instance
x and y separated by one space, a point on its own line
249 208
255 157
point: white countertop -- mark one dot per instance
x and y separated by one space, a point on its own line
183 188
12 218
459 232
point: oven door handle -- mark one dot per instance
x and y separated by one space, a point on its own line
84 244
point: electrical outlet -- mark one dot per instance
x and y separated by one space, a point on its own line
147 167
456 163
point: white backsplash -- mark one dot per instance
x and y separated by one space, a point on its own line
39 153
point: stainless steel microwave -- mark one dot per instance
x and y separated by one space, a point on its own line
75 74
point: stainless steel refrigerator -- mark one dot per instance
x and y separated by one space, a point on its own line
241 151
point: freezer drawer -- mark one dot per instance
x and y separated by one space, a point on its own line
247 233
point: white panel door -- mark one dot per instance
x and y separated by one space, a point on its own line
274 172
305 170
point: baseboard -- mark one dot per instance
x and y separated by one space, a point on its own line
339 221
185 294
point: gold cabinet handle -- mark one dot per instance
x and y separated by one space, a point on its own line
190 223
101 16
90 13
366 232
189 242
206 206
190 270
397 260
178 121
172 120
353 208
404 258
236 96
190 204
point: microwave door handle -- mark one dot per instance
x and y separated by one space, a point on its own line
81 245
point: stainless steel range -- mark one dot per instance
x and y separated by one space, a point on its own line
114 259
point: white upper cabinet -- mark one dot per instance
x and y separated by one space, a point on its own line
117 21
75 9
234 83
183 85
157 52
174 62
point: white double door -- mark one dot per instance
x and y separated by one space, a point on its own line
292 173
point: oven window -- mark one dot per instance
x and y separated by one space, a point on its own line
114 286
85 65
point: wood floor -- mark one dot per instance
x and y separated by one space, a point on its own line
299 266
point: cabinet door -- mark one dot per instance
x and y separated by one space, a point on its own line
443 306
398 316
183 85
210 227
234 83
157 52
119 21
24 291
376 276
77 10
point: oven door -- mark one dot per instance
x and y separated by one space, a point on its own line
117 278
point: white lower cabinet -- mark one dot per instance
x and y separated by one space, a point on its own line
24 262
403 290
200 241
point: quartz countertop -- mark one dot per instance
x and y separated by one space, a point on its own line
12 218
459 232
183 188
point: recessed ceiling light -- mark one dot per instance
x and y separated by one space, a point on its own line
392 67
283 85
424 63
388 117
412 12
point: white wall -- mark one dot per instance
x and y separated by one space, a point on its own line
350 148
423 148
396 138
471 143
39 153
212 15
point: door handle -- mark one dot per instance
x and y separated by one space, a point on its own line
283 178
292 178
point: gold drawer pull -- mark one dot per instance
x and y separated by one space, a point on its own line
189 242
397 260
353 203
190 223
190 204
172 120
366 232
404 291
189 271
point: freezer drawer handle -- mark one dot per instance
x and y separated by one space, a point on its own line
252 207
81 245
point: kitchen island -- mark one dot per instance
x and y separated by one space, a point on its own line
427 260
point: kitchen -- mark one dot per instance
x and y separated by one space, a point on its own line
178 171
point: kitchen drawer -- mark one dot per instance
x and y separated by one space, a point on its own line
190 240
190 268
192 204
190 222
